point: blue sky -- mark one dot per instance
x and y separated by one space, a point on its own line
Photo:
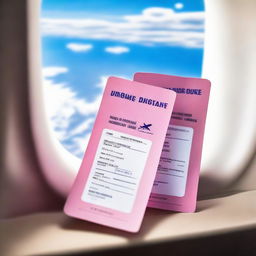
94 8
84 42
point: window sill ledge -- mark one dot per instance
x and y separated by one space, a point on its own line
49 233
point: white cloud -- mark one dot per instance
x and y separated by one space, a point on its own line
103 82
54 71
82 127
117 49
154 26
81 144
63 104
153 14
75 47
179 6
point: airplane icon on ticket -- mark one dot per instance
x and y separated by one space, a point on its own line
145 127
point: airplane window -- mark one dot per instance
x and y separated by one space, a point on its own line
84 42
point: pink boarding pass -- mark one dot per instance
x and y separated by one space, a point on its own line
116 176
176 184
